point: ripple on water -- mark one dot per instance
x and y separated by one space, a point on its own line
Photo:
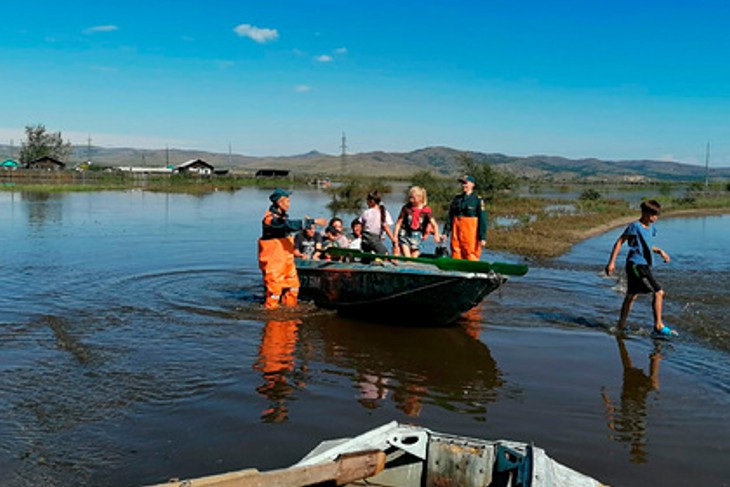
137 342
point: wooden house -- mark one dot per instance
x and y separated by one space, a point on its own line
195 166
46 163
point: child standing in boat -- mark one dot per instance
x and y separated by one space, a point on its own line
640 238
376 221
415 222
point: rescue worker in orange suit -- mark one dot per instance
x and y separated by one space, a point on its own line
276 251
467 222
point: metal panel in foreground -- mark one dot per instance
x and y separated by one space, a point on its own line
454 461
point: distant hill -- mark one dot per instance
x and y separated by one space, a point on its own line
440 160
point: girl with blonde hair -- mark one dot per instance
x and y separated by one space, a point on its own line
415 222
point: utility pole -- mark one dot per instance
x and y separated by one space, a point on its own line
707 166
229 154
88 150
167 155
343 147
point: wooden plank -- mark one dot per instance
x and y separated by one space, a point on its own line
345 469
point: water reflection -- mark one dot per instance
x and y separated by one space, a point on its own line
448 368
413 367
42 207
627 420
276 364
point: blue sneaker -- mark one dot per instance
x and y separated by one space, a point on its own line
665 332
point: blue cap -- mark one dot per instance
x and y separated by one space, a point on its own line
466 178
278 193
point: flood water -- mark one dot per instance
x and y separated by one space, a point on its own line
133 349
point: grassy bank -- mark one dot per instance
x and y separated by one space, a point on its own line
542 231
65 182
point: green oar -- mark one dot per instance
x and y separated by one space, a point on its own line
443 263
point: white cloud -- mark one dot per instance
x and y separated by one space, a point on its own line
340 50
257 34
324 58
302 88
101 28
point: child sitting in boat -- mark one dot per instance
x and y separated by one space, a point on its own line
356 237
415 222
308 243
331 240
337 224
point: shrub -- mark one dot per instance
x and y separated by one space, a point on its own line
590 195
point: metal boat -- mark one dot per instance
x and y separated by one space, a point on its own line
399 455
392 289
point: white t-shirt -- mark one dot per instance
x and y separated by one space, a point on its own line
355 243
371 220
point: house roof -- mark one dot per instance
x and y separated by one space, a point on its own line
49 159
192 162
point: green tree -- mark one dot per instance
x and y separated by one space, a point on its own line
351 195
489 181
440 191
41 143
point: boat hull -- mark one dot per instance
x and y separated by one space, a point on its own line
407 293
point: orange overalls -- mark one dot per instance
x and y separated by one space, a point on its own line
276 258
467 224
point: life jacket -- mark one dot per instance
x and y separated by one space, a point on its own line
276 224
417 220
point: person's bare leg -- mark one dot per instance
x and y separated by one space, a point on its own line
657 307
625 310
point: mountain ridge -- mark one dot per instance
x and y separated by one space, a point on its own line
438 159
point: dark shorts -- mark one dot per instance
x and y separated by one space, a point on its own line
411 240
371 242
640 280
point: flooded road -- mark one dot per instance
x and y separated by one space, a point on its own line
133 348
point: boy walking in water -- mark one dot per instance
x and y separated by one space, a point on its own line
640 238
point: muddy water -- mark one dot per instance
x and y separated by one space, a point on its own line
133 349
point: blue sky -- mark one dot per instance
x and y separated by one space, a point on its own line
612 80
